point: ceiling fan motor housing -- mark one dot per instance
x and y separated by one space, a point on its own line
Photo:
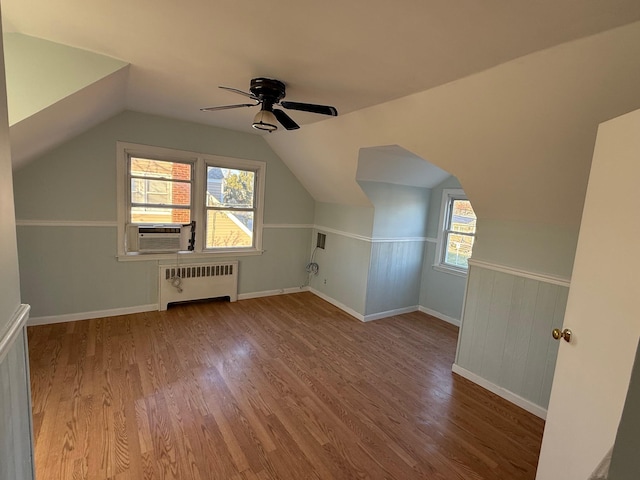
268 90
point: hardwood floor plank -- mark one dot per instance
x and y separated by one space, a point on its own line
285 387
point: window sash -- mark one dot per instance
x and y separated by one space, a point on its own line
447 252
447 230
166 208
223 207
456 232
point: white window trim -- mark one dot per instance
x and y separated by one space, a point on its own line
200 161
438 263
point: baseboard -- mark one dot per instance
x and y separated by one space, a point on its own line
271 293
529 406
441 316
390 313
378 316
336 303
74 317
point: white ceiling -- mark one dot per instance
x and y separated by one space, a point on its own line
504 94
394 164
348 54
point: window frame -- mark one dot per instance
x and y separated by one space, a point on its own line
199 162
449 195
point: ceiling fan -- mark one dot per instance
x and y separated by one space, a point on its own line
268 92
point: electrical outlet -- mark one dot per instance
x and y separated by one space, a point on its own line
324 281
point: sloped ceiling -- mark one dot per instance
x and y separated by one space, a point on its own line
394 164
466 85
349 54
55 92
519 136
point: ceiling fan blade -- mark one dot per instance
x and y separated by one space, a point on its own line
229 107
286 121
311 107
235 90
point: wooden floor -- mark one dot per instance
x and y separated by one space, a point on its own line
284 387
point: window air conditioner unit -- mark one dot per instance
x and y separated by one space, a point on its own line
160 238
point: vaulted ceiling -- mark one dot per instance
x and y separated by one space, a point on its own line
512 88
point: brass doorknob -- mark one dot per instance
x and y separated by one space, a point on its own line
566 334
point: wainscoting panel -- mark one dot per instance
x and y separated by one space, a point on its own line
394 276
16 461
506 332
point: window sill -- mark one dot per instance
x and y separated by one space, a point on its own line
145 257
458 272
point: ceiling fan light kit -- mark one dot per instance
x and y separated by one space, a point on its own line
268 92
265 120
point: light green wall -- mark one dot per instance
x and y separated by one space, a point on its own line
539 248
400 211
9 293
382 276
74 270
16 451
351 219
343 264
77 182
84 168
439 291
282 265
394 276
41 73
436 202
505 336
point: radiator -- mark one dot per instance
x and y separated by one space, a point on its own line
197 282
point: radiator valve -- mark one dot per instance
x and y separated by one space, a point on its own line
176 282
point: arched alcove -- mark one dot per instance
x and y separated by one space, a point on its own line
406 192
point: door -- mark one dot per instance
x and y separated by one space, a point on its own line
593 370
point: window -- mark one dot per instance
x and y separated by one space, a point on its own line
457 233
160 191
230 206
158 186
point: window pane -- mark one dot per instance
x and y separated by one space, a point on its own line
463 218
145 167
160 215
458 250
138 190
229 229
228 187
160 192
